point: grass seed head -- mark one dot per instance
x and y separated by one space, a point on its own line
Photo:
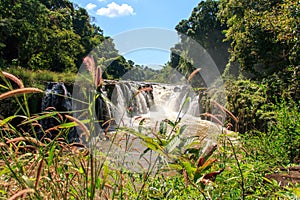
19 91
14 79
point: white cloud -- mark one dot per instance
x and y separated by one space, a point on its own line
90 6
115 10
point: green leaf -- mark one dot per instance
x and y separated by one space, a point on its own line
173 143
67 125
133 132
5 87
51 155
173 125
176 167
34 119
3 192
6 120
81 171
29 182
163 128
105 171
141 123
189 169
181 130
206 165
297 191
98 182
59 169
4 171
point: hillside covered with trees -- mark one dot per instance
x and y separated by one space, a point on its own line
255 46
53 35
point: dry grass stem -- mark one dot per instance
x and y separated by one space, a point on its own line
14 79
39 172
108 122
145 89
19 91
213 118
51 129
98 77
227 111
193 74
3 144
80 124
29 139
21 193
50 108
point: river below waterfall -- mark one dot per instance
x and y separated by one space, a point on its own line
132 107
170 102
135 103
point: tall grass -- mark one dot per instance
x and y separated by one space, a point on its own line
176 167
40 77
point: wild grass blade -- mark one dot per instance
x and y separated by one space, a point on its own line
19 91
29 139
39 173
13 78
21 193
193 74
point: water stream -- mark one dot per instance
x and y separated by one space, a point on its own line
153 103
127 104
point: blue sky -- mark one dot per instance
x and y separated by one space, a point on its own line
117 17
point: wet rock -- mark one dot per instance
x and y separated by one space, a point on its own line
291 175
57 98
176 89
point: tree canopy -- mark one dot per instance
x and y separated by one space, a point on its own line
46 34
264 34
260 37
205 28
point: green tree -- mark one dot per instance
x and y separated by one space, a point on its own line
90 35
205 28
264 34
116 68
46 34
22 23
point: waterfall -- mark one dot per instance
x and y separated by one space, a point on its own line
176 98
130 99
152 103
124 101
157 101
56 98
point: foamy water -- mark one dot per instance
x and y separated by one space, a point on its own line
171 102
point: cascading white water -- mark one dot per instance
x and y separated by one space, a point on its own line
56 98
173 100
120 99
155 103
177 95
129 101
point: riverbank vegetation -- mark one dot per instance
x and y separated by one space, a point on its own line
45 41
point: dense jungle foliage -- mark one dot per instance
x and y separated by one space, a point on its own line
262 65
256 48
